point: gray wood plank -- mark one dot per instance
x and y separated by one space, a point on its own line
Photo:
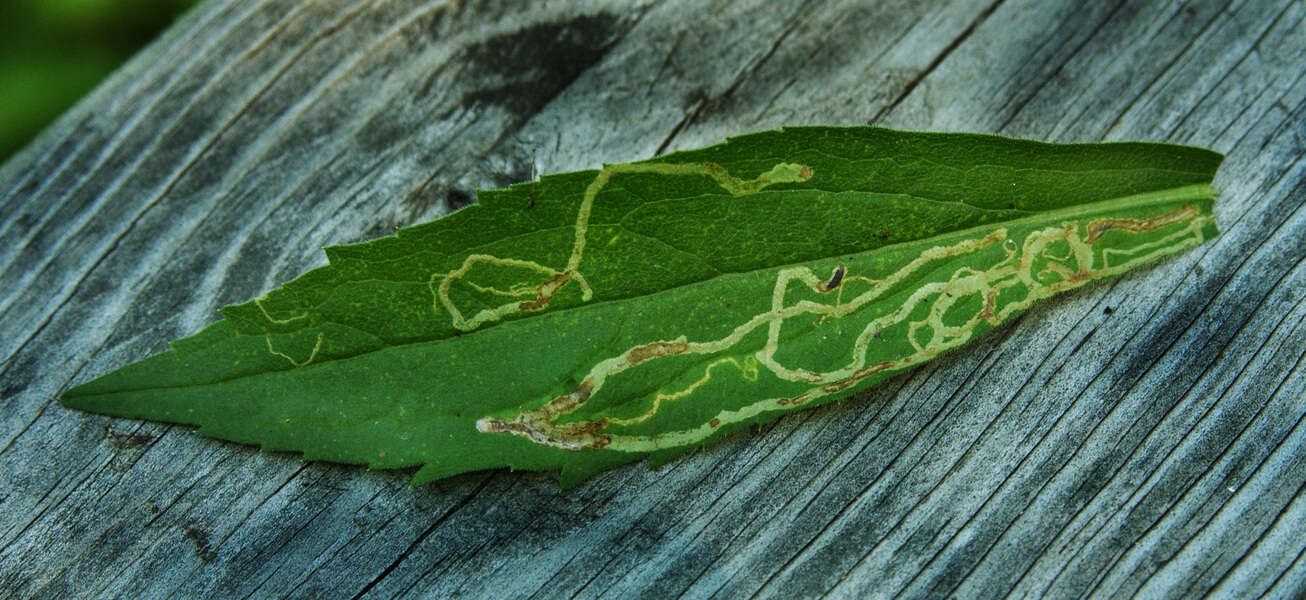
1143 437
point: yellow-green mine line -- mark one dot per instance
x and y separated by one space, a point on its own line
1016 269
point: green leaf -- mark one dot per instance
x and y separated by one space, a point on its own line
593 318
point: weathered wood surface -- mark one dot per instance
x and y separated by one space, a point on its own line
1144 437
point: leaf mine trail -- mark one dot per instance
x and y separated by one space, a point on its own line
1032 270
650 308
542 293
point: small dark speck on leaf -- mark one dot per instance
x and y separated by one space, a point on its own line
1106 310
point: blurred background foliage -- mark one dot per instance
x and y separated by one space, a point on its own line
53 52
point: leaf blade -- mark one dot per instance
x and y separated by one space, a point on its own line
312 368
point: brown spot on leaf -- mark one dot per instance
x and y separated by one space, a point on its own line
1099 227
583 391
546 292
714 423
872 369
640 354
838 386
537 427
857 376
990 306
561 405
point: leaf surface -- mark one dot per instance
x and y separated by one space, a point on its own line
597 317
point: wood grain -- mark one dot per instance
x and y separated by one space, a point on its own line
1143 438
